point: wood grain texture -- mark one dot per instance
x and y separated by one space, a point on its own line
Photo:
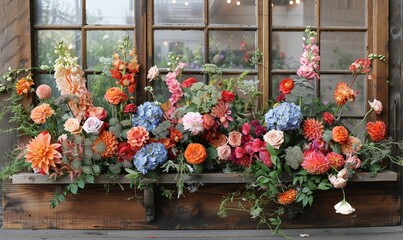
27 207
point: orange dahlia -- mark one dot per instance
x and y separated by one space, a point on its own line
336 160
24 86
340 134
315 163
351 146
376 130
343 93
313 128
41 112
106 144
137 136
42 154
287 197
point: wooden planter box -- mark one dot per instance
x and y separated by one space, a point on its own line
26 205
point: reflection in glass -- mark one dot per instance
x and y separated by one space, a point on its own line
178 11
110 12
230 49
103 44
340 49
328 85
286 50
187 44
46 41
343 13
97 85
297 14
57 12
229 12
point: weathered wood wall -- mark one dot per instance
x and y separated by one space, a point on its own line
27 207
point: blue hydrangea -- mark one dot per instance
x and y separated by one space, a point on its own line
285 116
148 115
150 156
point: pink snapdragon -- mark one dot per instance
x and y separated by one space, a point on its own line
310 58
174 87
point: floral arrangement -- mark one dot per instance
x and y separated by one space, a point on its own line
296 146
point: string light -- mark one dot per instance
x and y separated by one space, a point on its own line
228 1
297 1
173 1
186 3
291 2
238 3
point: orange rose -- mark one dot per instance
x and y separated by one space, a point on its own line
376 130
195 153
24 86
115 96
340 134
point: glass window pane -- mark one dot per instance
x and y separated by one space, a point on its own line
178 11
46 41
187 44
343 13
110 12
298 14
57 12
103 44
232 49
97 85
229 12
328 85
286 50
339 49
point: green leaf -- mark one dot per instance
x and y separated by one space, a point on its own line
89 179
271 150
81 184
61 198
305 201
323 186
275 160
73 188
306 189
211 153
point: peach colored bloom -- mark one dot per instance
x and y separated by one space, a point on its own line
137 136
24 86
234 138
98 112
343 93
224 152
218 140
43 92
337 182
195 153
376 130
153 72
110 142
353 162
115 96
42 154
340 134
72 125
287 197
41 112
352 145
208 121
275 138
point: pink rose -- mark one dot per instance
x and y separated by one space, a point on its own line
93 125
98 112
234 138
153 72
72 125
193 121
376 106
224 152
275 138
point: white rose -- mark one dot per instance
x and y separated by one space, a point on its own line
153 73
93 125
337 182
343 207
275 138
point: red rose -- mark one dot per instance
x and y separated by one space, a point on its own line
286 85
116 74
125 152
130 108
328 117
228 96
189 82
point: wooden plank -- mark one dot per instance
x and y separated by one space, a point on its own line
33 178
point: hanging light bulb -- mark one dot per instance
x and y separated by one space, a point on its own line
291 2
228 1
238 3
186 3
297 1
173 1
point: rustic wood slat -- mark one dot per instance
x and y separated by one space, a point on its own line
33 178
